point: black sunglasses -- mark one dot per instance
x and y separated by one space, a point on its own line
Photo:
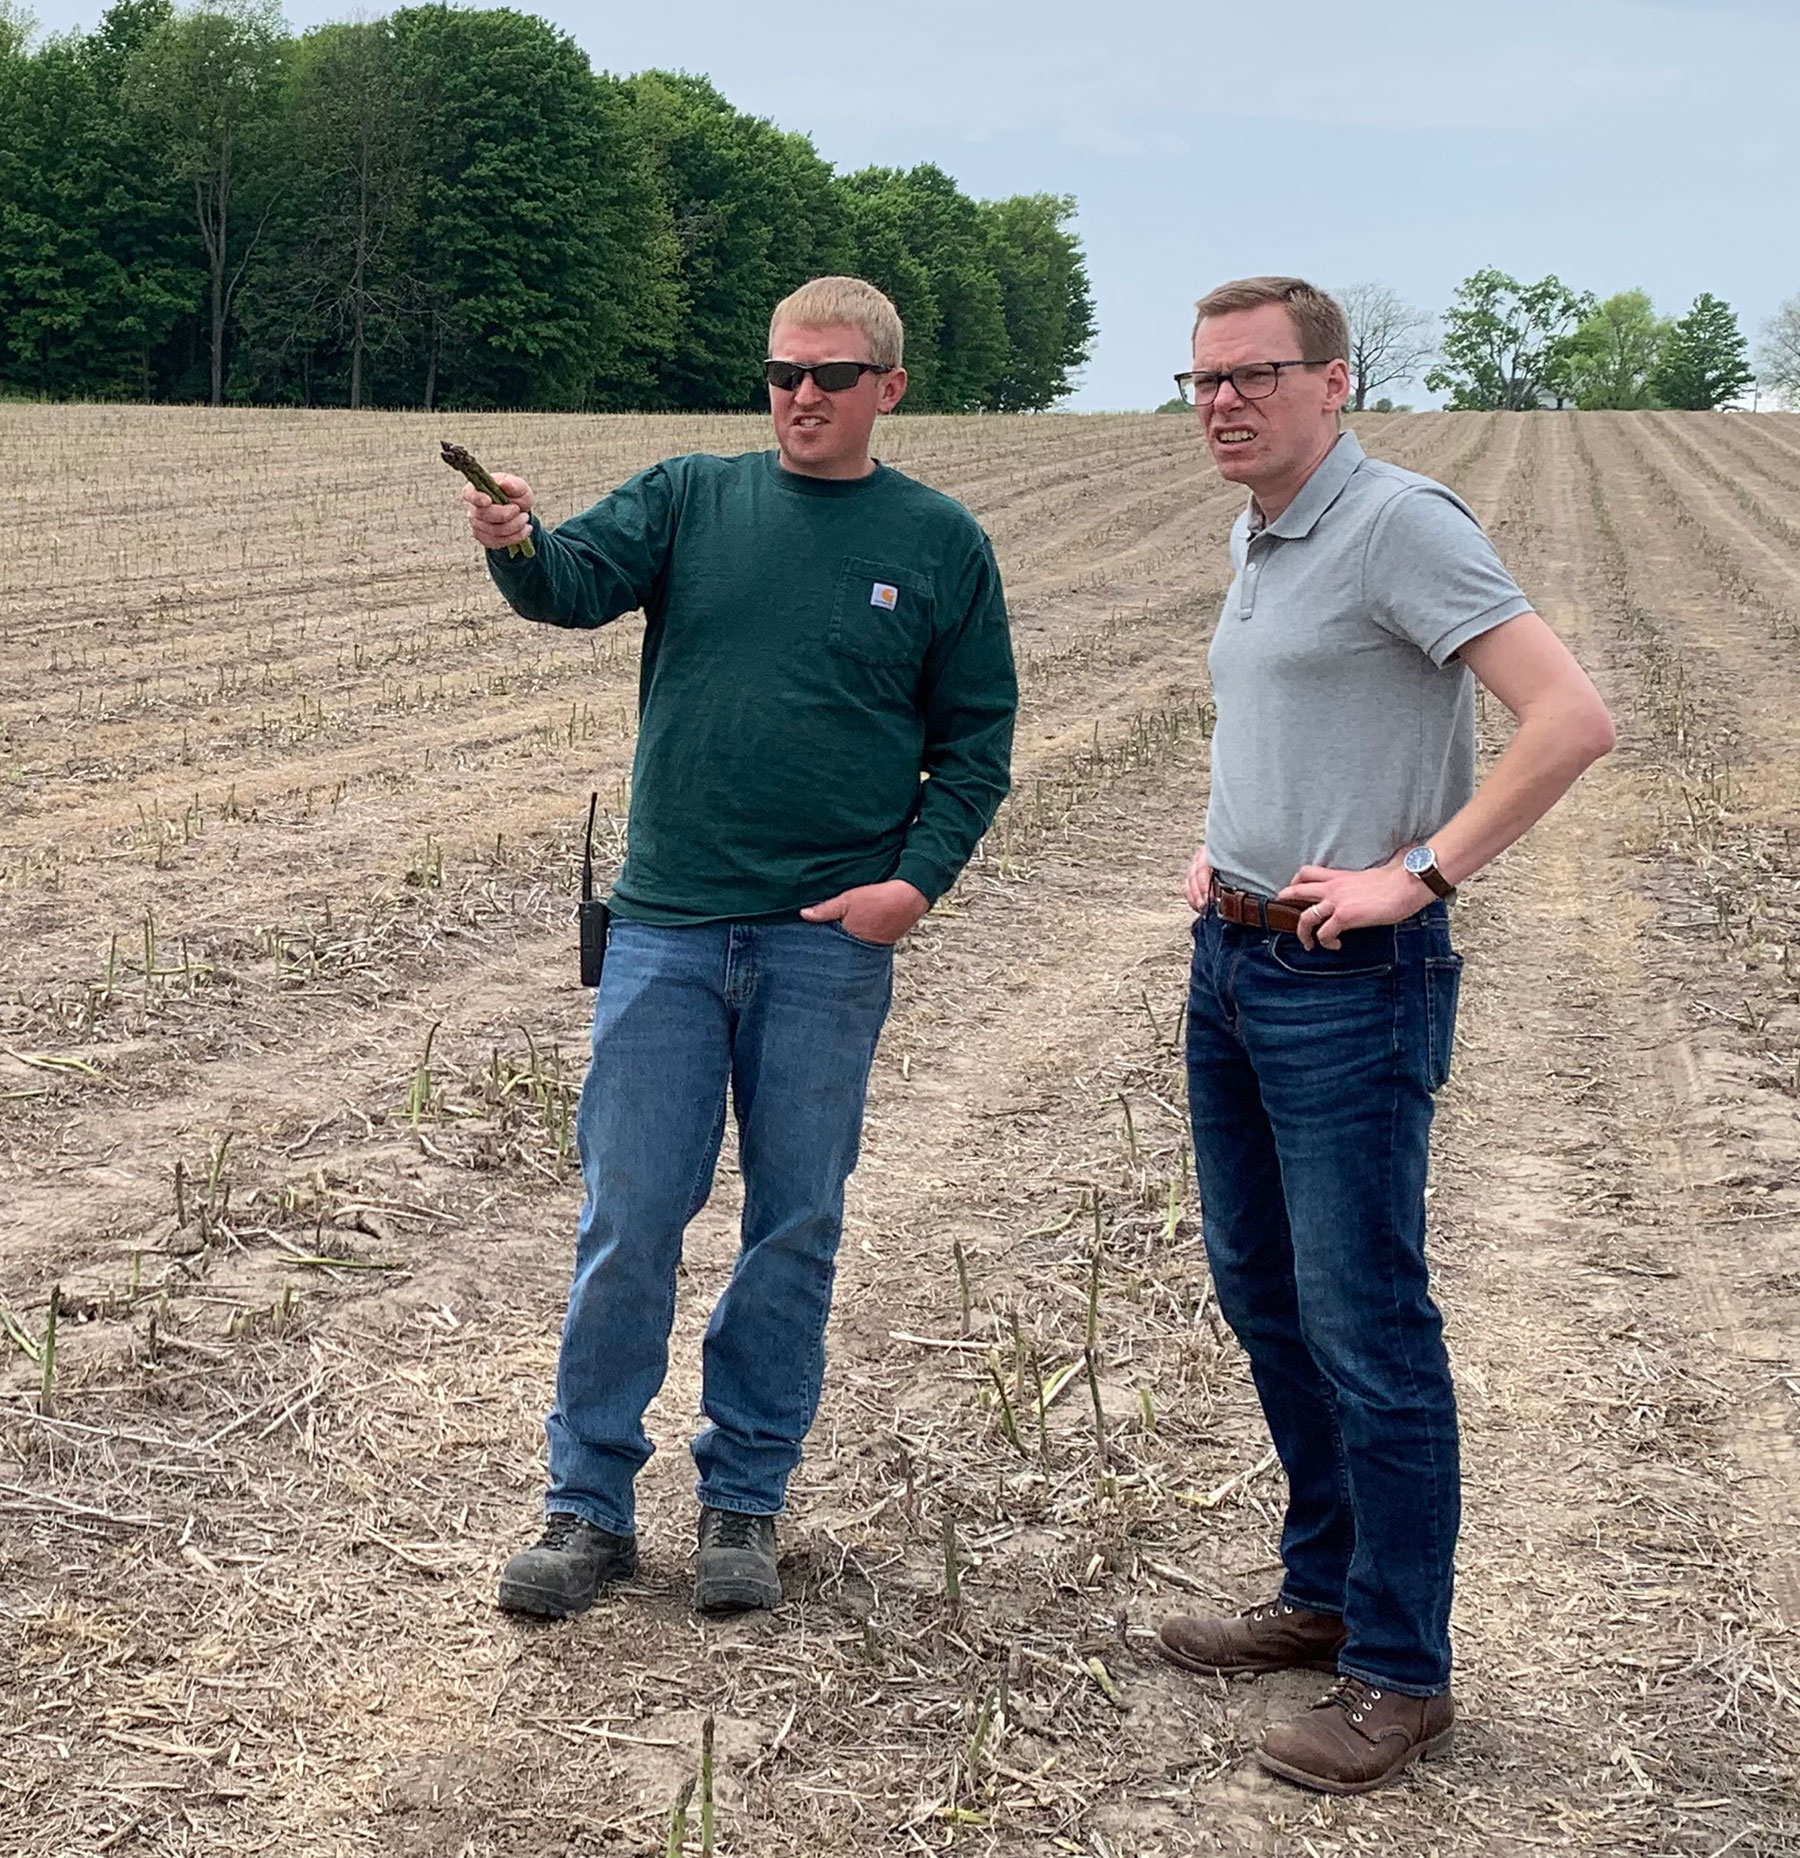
830 377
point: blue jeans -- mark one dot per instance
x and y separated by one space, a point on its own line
1311 1075
785 1015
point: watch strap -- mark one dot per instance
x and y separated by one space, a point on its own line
1433 879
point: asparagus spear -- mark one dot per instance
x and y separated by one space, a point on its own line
459 459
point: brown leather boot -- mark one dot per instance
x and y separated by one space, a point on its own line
1357 1738
1272 1637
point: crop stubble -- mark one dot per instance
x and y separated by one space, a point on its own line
288 1036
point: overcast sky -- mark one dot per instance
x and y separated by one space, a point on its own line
1619 143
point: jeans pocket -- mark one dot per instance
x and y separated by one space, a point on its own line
1348 963
859 941
1443 986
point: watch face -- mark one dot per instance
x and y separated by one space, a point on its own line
1420 860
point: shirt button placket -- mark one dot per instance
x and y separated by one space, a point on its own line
1247 597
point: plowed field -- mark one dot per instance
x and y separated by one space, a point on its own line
289 1035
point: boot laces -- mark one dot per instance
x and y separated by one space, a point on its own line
1352 1695
559 1526
733 1529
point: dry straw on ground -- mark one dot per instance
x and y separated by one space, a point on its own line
288 1040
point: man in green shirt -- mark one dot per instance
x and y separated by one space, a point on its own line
825 705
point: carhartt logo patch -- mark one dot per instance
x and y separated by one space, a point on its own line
882 595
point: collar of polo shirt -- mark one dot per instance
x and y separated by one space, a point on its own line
1317 494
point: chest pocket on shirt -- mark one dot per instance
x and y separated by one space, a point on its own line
882 614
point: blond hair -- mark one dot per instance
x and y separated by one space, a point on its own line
1320 326
827 301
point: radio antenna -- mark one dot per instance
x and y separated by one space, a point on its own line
587 854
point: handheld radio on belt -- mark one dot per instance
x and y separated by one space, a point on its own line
594 915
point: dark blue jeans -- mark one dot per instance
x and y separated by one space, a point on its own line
784 1016
1311 1075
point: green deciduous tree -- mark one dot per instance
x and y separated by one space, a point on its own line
49 259
1613 357
96 265
1506 344
880 225
332 286
17 24
969 347
755 214
638 318
539 279
208 81
1703 364
450 206
1779 352
1045 301
995 296
957 347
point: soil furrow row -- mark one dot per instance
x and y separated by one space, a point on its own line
249 1555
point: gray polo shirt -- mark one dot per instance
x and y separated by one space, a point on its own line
1346 723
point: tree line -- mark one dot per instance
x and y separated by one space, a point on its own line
1516 346
1512 346
452 208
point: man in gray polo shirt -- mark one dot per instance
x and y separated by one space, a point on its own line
1322 1008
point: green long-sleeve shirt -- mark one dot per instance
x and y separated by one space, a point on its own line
813 646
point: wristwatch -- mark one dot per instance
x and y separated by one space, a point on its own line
1422 862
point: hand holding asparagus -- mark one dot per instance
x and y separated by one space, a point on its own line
499 507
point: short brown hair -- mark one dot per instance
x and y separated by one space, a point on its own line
829 300
1320 326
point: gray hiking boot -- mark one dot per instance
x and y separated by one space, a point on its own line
564 1572
736 1563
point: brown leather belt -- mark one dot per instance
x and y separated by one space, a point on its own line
1248 912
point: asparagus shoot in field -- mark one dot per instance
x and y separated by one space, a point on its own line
458 458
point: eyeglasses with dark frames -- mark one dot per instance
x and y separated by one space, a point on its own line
1255 380
830 377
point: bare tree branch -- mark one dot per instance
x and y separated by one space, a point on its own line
1389 339
1779 352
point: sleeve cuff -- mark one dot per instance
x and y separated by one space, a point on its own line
928 879
516 575
1448 644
